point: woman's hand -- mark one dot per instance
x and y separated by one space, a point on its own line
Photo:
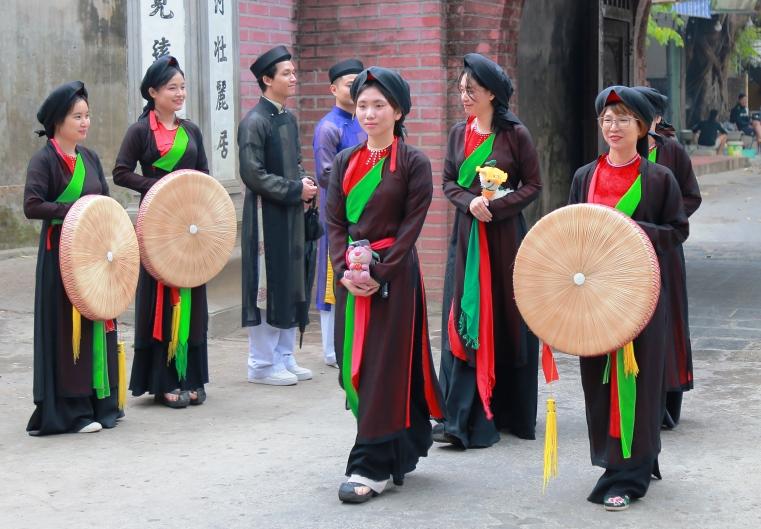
479 207
362 291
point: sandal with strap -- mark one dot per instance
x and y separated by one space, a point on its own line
616 503
347 493
200 397
182 400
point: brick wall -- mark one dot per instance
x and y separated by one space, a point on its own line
423 39
407 36
489 27
262 24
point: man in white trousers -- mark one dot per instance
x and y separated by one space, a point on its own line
272 240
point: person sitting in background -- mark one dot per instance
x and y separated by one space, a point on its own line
740 116
749 124
710 133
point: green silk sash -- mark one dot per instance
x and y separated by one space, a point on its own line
74 188
652 156
356 200
175 153
360 194
626 383
477 158
100 361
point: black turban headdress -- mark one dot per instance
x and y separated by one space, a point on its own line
659 103
391 81
634 101
491 76
395 88
55 107
157 75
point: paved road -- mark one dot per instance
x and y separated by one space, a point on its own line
264 457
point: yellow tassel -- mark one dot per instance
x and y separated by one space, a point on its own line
550 444
630 362
330 297
122 359
76 332
175 333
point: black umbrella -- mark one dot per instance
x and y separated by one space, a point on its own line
310 265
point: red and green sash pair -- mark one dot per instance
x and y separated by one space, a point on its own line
177 349
357 314
475 327
100 384
621 368
180 297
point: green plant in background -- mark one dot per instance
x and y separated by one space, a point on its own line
746 53
663 25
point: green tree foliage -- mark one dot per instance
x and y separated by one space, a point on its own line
663 25
745 54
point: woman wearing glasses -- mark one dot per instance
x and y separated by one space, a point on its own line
624 433
490 374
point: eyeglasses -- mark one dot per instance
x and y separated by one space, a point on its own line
621 123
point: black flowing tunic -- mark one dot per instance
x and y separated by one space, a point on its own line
679 374
63 392
150 372
661 215
270 166
515 346
398 391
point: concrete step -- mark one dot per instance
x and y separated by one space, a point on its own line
710 164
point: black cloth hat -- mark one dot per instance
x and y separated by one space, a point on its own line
268 58
57 104
391 81
634 101
658 101
155 74
158 74
495 79
345 68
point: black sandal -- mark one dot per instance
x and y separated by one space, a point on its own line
347 493
200 397
182 401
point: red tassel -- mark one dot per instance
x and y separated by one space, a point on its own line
110 325
158 317
549 366
47 238
614 429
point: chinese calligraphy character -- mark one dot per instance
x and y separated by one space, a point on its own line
219 49
160 48
221 96
219 6
222 145
158 7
